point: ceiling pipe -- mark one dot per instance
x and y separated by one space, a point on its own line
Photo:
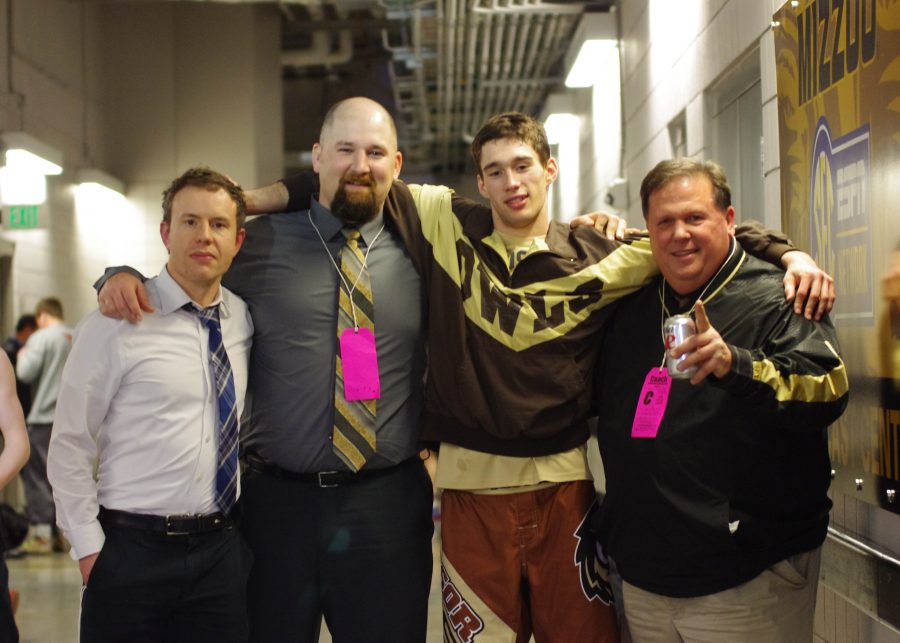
491 56
473 24
534 6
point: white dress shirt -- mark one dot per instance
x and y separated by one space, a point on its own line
139 401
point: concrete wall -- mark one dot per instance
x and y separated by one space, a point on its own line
141 91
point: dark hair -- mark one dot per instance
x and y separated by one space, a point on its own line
203 177
666 171
26 321
50 305
514 125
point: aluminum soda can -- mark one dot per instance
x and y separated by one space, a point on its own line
676 329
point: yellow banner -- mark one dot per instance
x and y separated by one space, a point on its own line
838 74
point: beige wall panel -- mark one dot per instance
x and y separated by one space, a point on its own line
139 87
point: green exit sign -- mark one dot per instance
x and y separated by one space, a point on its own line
23 216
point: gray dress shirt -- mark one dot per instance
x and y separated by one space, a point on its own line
291 286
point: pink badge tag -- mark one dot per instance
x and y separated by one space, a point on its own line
651 404
359 364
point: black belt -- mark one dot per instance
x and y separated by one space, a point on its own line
172 525
321 478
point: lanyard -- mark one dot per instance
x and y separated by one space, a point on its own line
347 286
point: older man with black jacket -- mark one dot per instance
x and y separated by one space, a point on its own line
716 504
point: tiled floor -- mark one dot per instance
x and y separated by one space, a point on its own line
50 591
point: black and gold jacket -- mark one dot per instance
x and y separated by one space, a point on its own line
737 476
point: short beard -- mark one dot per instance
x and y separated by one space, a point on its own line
356 211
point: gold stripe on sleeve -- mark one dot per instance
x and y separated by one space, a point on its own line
827 387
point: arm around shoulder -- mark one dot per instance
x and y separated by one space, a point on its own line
121 294
808 286
274 197
762 242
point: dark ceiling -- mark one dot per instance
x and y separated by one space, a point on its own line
442 67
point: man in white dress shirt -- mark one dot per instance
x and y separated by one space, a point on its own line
159 556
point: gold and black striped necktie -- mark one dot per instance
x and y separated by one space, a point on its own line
353 438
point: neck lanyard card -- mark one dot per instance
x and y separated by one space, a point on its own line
359 364
651 404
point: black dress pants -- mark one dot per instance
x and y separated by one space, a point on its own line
149 587
359 554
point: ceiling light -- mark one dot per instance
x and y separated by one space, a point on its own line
28 154
560 126
584 70
97 190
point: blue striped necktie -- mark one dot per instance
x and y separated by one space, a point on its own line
227 424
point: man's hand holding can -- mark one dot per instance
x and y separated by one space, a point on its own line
706 350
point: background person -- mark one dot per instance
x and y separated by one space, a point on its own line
12 459
40 364
26 325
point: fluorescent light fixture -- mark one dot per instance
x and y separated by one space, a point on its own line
560 127
97 190
595 37
29 162
584 70
20 187
25 152
102 179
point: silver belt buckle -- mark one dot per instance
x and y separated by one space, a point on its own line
172 532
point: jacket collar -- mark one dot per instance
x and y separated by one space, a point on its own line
675 303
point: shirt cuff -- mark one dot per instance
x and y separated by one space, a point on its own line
740 378
86 540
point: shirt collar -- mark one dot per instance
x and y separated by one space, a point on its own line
509 246
556 240
330 226
167 296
